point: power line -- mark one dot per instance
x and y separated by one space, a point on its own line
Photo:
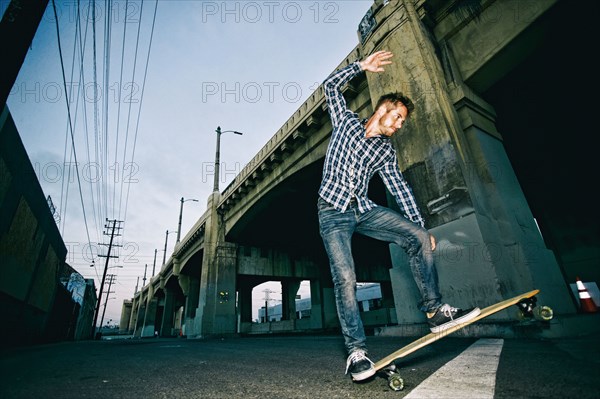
141 98
69 119
137 43
119 102
85 116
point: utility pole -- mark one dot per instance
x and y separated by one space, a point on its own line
111 278
107 256
166 240
218 155
144 279
154 265
181 215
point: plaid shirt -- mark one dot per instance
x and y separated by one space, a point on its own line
352 159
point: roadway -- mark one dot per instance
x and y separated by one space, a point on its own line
309 366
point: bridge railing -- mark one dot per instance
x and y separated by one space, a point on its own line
290 130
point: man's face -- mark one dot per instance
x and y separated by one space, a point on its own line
394 117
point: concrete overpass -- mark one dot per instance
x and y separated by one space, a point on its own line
458 62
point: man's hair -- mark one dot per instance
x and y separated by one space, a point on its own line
395 99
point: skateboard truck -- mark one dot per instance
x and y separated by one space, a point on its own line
529 309
526 306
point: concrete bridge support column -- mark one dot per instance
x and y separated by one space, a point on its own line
205 313
288 299
150 318
139 323
190 287
216 313
166 327
135 305
387 300
245 302
489 248
316 304
225 317
330 317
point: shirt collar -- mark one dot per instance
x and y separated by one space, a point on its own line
363 123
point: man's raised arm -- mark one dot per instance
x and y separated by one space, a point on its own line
334 83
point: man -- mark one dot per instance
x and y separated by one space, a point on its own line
356 152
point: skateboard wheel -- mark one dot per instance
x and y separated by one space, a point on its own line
396 382
543 313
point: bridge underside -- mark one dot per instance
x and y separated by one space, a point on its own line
279 241
286 219
517 152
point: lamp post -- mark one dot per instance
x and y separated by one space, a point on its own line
181 214
218 154
166 239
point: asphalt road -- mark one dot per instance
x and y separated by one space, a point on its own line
279 367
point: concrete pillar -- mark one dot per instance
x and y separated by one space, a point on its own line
133 316
511 240
216 313
245 302
330 316
316 304
289 290
488 246
190 287
139 323
204 319
150 318
166 327
225 318
387 294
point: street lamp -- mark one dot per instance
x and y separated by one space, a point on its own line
166 238
218 154
181 214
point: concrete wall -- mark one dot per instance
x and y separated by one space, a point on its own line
32 252
452 155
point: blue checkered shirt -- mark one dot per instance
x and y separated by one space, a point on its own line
352 159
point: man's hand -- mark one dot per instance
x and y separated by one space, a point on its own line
375 62
433 243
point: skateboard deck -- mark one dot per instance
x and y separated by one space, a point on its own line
526 303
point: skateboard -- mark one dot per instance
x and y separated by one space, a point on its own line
527 309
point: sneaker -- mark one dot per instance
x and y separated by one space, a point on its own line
447 316
359 365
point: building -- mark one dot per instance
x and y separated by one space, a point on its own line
39 301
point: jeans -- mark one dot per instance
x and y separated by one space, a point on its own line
384 224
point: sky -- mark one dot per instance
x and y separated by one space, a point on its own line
142 110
